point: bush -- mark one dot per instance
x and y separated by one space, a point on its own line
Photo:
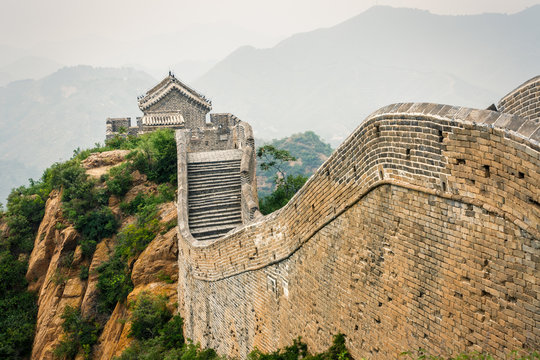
156 156
149 316
284 191
121 180
299 350
114 283
18 308
83 275
94 226
80 334
134 238
421 354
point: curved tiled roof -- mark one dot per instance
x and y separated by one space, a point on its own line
168 84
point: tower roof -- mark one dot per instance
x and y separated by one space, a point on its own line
167 85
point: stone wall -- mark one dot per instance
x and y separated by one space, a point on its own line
194 114
523 101
421 230
117 126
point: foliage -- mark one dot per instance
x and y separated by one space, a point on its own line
274 159
80 334
299 350
145 205
422 354
158 334
134 238
94 226
309 151
121 180
18 308
83 275
25 210
114 283
285 190
83 202
156 156
149 315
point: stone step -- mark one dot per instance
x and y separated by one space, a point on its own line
195 185
195 166
214 213
214 189
213 163
232 165
214 177
195 174
216 199
219 229
210 224
198 192
229 205
209 237
214 194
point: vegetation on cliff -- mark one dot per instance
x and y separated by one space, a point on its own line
85 205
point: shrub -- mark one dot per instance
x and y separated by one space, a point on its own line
285 190
134 238
156 156
121 180
18 308
80 334
114 283
83 275
149 316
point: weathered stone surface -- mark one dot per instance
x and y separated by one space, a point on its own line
46 239
89 301
114 337
98 164
523 101
421 230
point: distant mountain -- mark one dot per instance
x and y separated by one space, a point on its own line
28 67
308 149
44 120
329 80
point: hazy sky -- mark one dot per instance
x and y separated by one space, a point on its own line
24 22
152 34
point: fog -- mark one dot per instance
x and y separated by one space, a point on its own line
186 36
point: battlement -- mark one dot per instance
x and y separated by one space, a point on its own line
524 100
415 233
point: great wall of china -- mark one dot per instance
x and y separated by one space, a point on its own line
422 230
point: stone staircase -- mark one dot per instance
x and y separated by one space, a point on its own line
214 193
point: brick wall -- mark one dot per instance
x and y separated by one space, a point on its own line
523 101
421 230
194 114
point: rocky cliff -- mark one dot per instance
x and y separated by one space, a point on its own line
54 270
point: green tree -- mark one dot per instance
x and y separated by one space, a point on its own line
274 159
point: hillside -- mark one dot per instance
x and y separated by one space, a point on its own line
42 121
308 149
329 80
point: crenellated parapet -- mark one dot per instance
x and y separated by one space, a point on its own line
421 230
524 100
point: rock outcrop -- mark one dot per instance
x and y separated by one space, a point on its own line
55 263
